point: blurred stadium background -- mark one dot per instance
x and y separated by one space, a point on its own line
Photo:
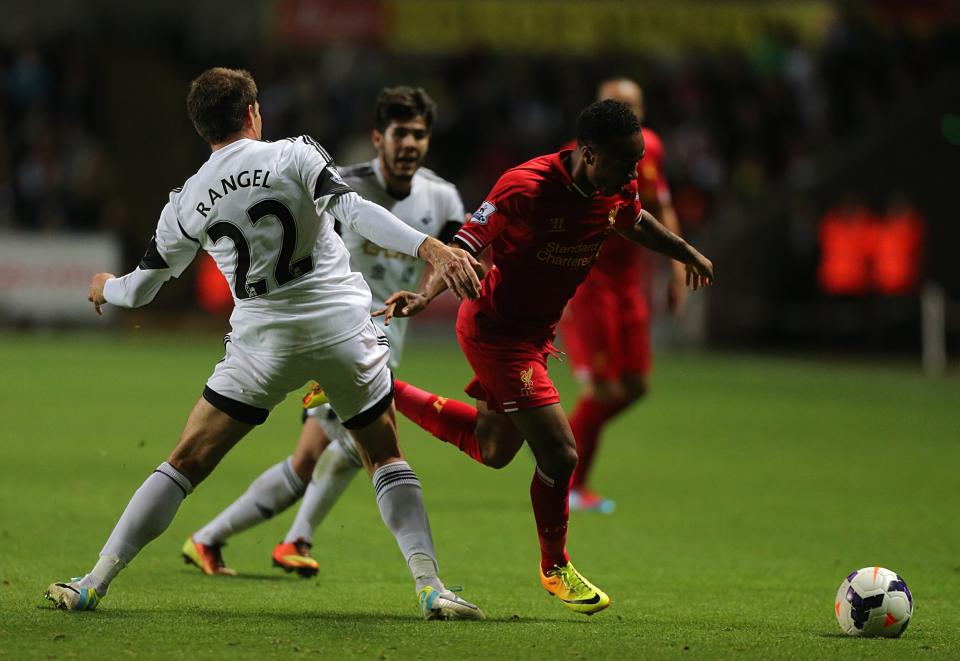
795 133
813 151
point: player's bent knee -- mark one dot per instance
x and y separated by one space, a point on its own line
635 387
497 456
499 440
608 391
566 461
559 460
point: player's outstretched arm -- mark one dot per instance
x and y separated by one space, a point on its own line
95 292
373 222
133 290
169 253
676 291
407 303
401 303
649 232
454 267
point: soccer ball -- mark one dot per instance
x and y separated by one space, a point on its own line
874 601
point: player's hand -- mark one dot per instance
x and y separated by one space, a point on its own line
458 268
699 272
95 292
401 304
676 288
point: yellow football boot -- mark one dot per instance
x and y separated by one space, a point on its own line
207 557
577 593
295 556
315 397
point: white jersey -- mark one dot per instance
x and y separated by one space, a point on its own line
259 209
433 207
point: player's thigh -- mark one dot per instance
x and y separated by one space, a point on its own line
591 334
508 374
207 437
635 351
247 385
311 444
548 433
498 437
356 376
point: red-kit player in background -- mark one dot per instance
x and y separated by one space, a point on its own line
545 222
606 326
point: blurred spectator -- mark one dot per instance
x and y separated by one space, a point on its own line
54 173
735 121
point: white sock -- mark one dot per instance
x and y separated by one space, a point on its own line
332 475
106 569
400 499
275 490
149 512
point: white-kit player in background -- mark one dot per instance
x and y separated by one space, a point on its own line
265 211
396 181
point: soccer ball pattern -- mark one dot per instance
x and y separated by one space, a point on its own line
874 601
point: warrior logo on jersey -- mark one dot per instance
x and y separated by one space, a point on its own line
526 382
481 215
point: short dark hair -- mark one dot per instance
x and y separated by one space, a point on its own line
218 100
402 104
606 120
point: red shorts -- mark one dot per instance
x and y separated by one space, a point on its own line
510 371
606 332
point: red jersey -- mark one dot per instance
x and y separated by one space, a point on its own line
622 262
545 236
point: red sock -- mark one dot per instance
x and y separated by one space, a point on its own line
551 511
586 421
447 419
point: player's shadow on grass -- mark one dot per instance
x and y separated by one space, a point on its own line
226 616
240 577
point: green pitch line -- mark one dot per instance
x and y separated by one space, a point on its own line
746 489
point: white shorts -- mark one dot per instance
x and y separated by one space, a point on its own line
354 373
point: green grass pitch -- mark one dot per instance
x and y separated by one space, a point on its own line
746 489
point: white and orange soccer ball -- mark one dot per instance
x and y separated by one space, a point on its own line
874 601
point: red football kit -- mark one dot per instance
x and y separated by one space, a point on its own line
606 327
545 235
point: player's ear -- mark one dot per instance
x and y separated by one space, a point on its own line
588 156
376 137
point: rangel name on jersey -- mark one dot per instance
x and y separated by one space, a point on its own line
287 267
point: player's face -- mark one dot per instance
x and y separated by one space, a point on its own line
402 147
612 166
